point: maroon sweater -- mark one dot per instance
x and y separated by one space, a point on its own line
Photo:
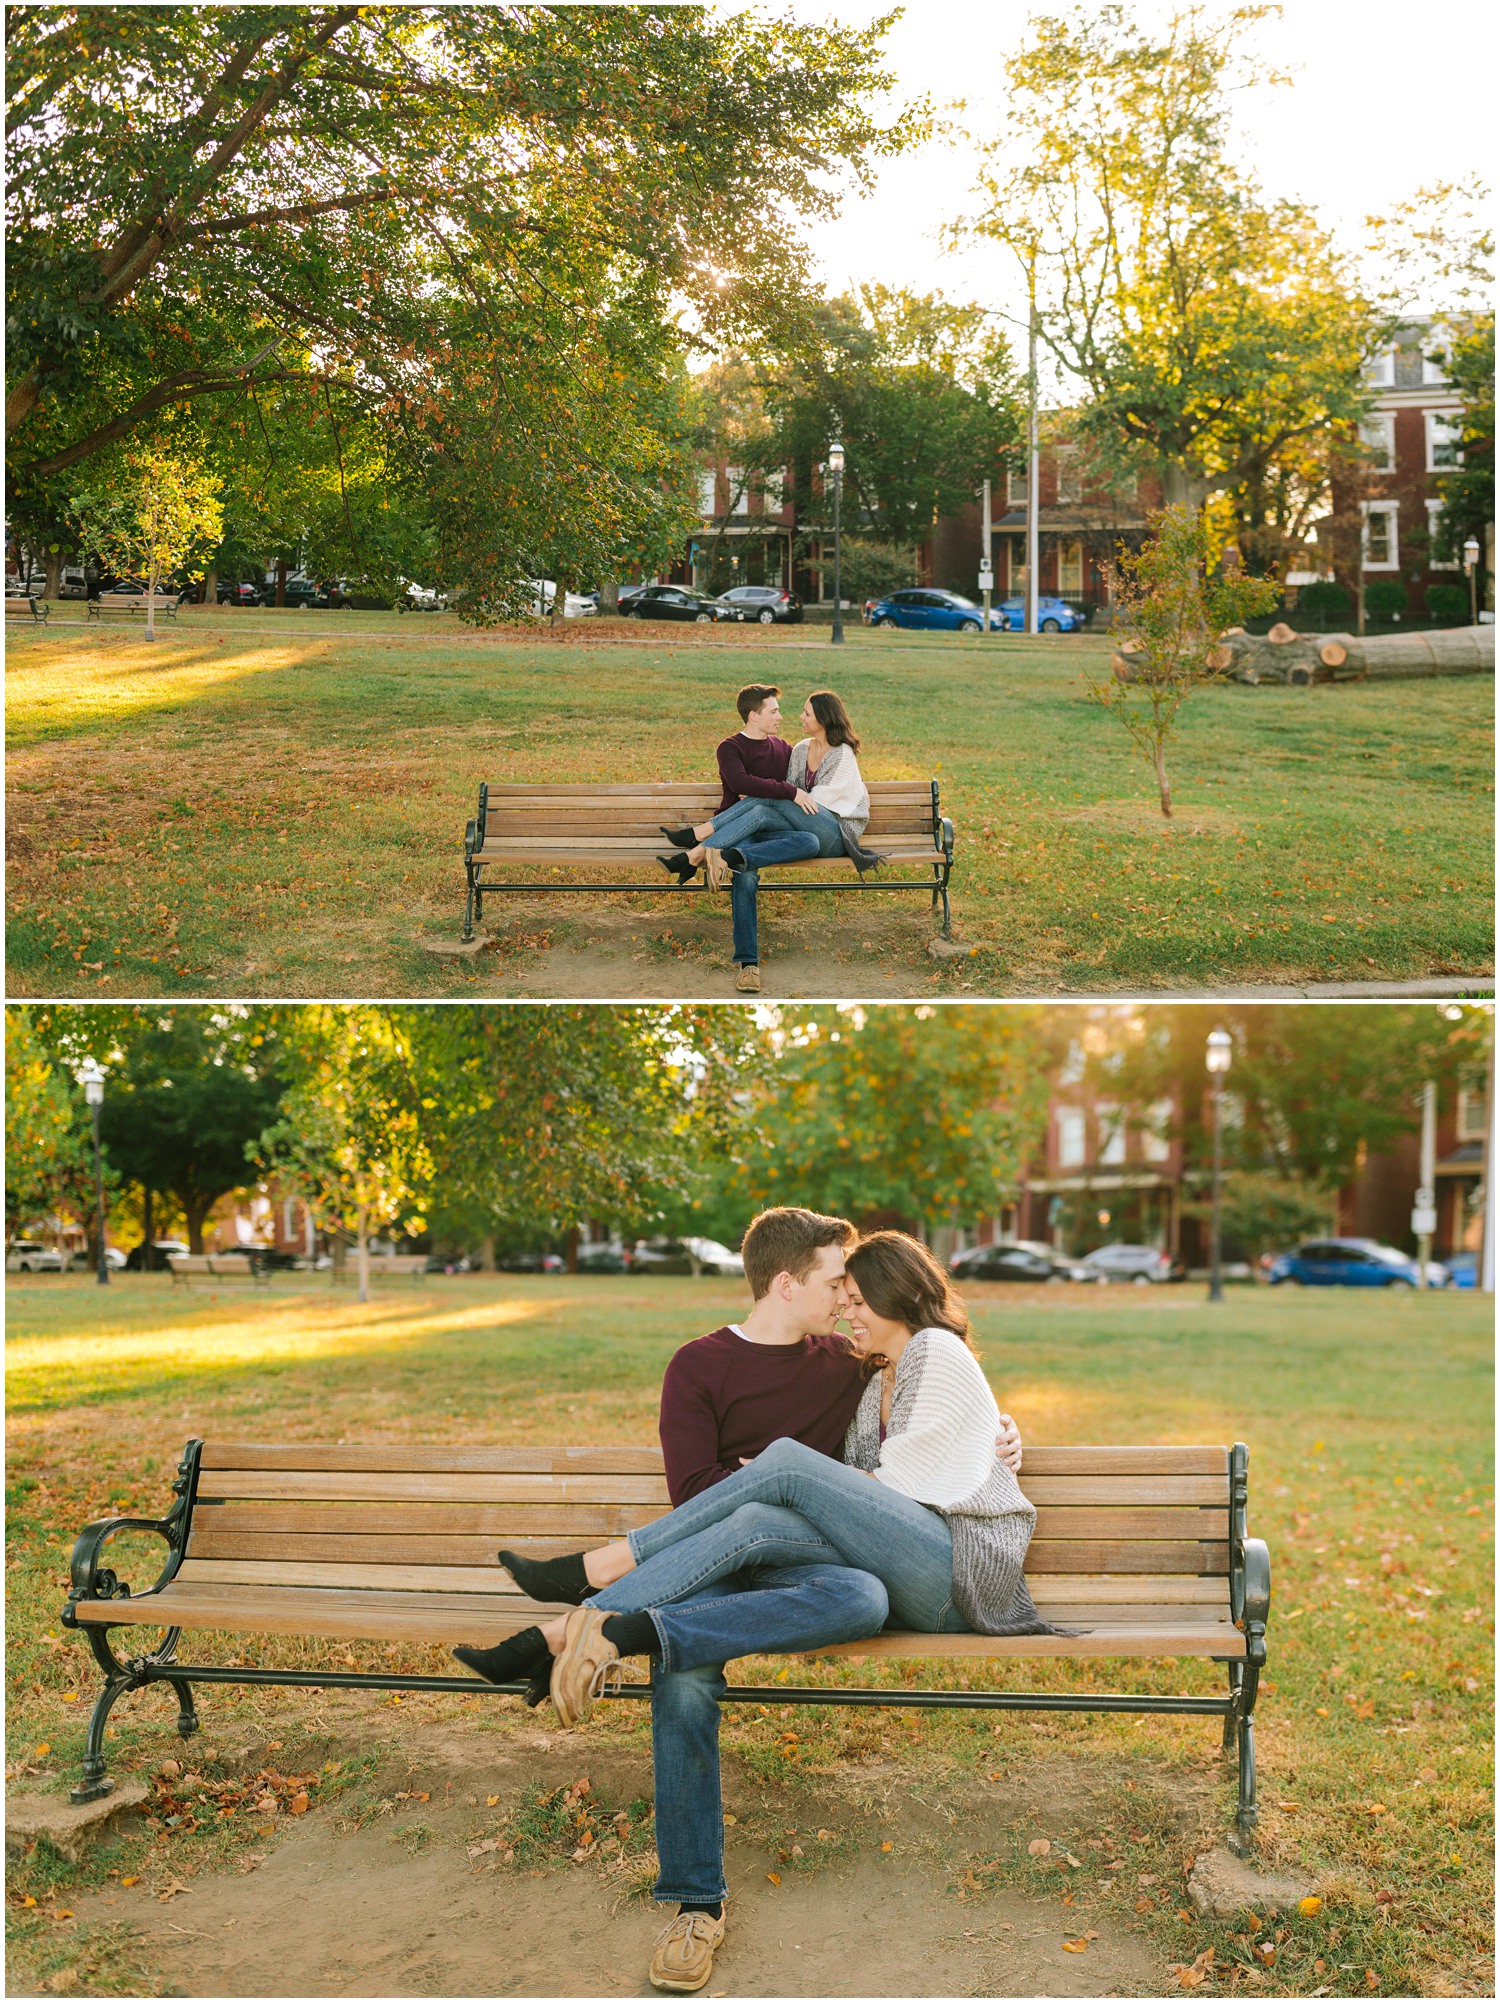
754 768
723 1398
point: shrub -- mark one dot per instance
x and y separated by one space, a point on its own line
1385 599
1324 600
1447 602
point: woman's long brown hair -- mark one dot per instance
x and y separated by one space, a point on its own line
903 1282
834 718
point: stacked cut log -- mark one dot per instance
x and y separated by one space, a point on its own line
1301 658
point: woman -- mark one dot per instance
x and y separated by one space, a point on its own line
830 812
919 1501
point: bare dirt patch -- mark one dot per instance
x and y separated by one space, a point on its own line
383 1896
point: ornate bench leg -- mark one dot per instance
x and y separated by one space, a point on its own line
468 932
1247 1812
1236 1674
187 1716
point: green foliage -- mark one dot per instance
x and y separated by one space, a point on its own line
1214 328
1385 598
147 513
871 569
922 393
1448 603
1469 489
1170 606
48 1157
1324 600
1265 1212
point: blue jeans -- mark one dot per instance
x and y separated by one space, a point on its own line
791 1506
802 1606
767 832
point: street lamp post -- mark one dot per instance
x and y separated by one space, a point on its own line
91 1078
1471 565
1219 1050
836 468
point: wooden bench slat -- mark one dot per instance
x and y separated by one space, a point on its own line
1135 1589
1091 1555
1135 1524
600 855
398 1457
404 1578
419 1617
1099 1489
567 1526
291 1484
676 789
1126 1460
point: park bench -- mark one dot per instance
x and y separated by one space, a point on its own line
1143 1549
166 608
38 609
389 1266
584 827
188 1266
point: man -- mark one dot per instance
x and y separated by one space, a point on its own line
752 765
782 1373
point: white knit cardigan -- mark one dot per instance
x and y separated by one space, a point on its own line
939 1449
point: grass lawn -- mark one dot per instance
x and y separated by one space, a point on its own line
273 804
1370 1428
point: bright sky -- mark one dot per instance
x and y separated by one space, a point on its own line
1378 108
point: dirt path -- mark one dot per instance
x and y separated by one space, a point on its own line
383 1896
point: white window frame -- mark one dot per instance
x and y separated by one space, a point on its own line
1473 1114
1434 509
738 488
1392 512
1383 423
1380 370
1015 485
1452 422
1434 375
773 488
1069 476
1072 1137
1156 1143
1070 567
1112 1136
708 493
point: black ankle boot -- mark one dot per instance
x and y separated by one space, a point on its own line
551 1580
518 1659
679 837
677 865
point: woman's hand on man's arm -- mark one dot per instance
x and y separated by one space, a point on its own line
1008 1443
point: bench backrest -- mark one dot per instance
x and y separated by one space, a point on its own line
1125 1536
190 1262
637 813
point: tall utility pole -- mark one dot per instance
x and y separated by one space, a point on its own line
1424 1211
987 560
1033 464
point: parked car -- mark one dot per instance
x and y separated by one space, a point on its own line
932 611
308 594
1040 1264
83 1262
240 594
676 601
153 1259
28 1255
1053 615
448 1262
1463 1269
1142 1265
532 1262
576 604
1351 1262
267 1257
684 1255
603 1258
765 604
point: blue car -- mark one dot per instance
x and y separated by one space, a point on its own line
933 611
1351 1262
1053 615
1463 1269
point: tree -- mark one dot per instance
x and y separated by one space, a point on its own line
148 515
922 394
1469 490
1173 610
922 1115
1214 328
49 1161
350 1136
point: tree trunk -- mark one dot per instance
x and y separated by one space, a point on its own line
571 1248
559 601
363 1254
1163 783
1183 489
52 564
1456 650
211 588
487 1254
281 580
609 598
148 1226
150 604
195 1209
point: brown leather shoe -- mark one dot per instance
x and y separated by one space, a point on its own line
684 1954
747 980
715 869
584 1665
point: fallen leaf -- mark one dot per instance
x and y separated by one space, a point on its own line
130 1881
825 1836
1144 1905
298 1804
886 1847
1038 1847
491 1800
1075 1946
41 1751
1291 1807
28 1900
171 1889
1309 1906
1265 1953
1076 1862
479 1849
70 1696
1147 1878
774 1877
730 1821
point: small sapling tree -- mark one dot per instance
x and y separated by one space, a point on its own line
1171 612
146 520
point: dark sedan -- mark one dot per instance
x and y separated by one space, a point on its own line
676 601
765 604
1011 1262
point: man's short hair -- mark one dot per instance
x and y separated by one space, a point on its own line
752 696
788 1240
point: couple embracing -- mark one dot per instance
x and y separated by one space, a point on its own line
824 1486
781 803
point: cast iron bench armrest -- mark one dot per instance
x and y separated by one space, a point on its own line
90 1582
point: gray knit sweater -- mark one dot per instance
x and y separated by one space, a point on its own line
940 1450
